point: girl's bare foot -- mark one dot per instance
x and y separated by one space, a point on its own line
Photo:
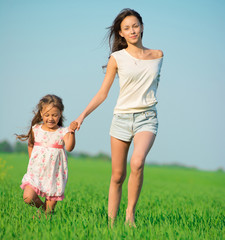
38 214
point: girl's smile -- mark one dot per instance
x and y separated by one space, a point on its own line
50 116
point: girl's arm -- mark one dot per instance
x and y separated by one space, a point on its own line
30 148
102 93
30 143
69 138
69 141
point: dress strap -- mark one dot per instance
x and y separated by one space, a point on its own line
40 144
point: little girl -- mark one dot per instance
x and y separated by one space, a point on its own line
47 169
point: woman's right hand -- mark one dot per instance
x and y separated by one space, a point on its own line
79 121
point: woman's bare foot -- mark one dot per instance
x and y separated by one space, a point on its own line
130 219
111 222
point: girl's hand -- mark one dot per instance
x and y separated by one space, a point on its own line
73 126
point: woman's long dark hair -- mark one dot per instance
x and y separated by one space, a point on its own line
55 101
116 42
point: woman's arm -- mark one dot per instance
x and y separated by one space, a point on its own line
102 93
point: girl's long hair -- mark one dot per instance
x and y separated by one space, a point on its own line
116 42
55 101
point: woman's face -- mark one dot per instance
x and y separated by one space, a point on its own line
131 29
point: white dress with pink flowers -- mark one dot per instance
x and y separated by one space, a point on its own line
47 170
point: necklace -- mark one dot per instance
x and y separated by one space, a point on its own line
135 59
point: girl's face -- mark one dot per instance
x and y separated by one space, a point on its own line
131 29
50 116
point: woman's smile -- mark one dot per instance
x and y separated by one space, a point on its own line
133 36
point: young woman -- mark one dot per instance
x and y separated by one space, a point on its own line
135 115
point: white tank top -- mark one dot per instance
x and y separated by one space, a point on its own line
138 81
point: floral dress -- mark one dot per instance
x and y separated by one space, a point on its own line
47 170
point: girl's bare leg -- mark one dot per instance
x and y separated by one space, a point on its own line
119 150
143 142
49 206
30 197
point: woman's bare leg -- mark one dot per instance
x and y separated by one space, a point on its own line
119 150
143 142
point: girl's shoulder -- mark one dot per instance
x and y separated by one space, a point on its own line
36 126
63 130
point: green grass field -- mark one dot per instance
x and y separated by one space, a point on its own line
175 203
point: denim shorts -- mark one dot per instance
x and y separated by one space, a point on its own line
125 125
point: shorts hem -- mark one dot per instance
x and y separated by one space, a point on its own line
146 130
125 140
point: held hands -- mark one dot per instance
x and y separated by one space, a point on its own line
73 126
79 121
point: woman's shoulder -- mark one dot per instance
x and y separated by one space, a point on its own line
116 57
156 53
117 53
159 53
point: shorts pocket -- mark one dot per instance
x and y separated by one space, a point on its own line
120 116
150 114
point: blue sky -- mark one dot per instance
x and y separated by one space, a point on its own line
58 47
